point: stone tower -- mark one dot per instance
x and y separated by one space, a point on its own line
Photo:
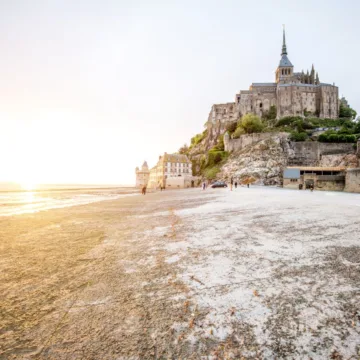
285 69
142 176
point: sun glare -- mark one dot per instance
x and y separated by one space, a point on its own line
28 186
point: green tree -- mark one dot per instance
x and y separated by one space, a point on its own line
357 127
184 149
271 114
346 111
251 124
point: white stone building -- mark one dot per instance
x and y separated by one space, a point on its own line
142 176
171 171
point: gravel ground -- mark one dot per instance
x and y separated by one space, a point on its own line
256 273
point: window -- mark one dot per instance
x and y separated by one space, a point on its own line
293 180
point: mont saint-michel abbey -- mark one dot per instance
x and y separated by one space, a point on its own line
293 94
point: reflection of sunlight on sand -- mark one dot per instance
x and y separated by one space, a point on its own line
29 197
28 186
32 201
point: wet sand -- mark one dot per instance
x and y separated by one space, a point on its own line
257 273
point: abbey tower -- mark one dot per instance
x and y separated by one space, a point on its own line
292 93
142 175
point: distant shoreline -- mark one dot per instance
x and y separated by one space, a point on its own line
77 188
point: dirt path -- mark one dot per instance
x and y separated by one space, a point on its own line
184 274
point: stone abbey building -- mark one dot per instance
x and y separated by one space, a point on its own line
293 94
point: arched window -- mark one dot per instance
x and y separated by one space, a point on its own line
260 105
282 71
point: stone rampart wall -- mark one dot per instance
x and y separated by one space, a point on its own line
308 153
246 140
352 180
330 185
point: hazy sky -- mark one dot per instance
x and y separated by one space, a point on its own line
90 89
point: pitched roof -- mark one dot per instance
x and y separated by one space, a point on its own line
263 84
318 168
284 61
176 158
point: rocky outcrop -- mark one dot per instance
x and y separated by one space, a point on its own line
347 160
264 156
263 161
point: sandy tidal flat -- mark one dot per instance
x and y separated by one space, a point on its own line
256 273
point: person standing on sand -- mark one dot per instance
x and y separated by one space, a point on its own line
204 185
235 184
231 183
248 185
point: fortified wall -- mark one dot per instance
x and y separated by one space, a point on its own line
232 145
305 153
308 153
352 180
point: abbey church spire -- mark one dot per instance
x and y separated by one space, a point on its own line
284 51
285 69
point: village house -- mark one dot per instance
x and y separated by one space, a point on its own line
171 171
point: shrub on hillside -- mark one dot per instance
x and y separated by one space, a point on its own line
211 173
214 157
337 138
238 132
251 123
316 122
230 128
270 114
184 149
198 138
287 120
298 136
345 130
220 144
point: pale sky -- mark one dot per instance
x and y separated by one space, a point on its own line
90 89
